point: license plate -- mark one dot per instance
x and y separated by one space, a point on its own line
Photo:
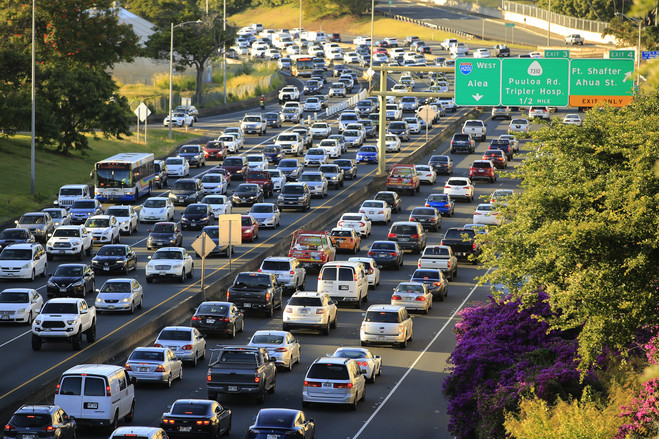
194 224
180 200
110 306
327 385
380 337
5 317
343 287
60 251
304 311
247 305
184 429
143 369
272 436
91 405
29 436
403 239
232 388
62 290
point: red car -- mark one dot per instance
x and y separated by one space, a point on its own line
227 174
250 228
215 150
380 50
484 170
497 157
263 179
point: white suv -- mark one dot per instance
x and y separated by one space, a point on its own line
105 229
291 275
459 187
310 310
333 380
169 262
386 324
23 261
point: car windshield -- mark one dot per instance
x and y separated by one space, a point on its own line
168 334
518 122
246 221
403 229
289 110
247 188
465 234
116 287
163 228
212 178
287 138
270 265
316 151
112 250
14 297
268 338
232 162
270 149
343 162
350 353
174 161
311 177
118 211
368 149
481 165
351 218
32 420
423 168
377 204
195 209
68 271
252 119
485 207
228 139
291 163
328 169
261 208
456 182
196 408
344 233
439 159
14 254
144 355
423 211
59 308
213 200
31 219
152 203
189 150
254 158
168 254
98 222
349 133
55 214
426 274
184 186
293 190
438 198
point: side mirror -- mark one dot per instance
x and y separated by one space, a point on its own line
148 257
97 291
50 274
15 221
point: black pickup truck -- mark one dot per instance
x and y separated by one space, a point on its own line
241 370
463 243
256 291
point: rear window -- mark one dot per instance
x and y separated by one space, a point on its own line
31 420
346 274
474 123
404 229
383 246
459 233
481 165
275 265
381 316
436 251
423 211
461 182
305 301
186 408
94 386
329 273
330 371
175 335
71 386
422 274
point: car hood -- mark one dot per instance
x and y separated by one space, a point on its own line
31 226
152 210
262 216
165 261
183 192
104 258
55 239
99 229
188 154
81 211
4 242
245 194
13 306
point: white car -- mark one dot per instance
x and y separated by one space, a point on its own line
414 296
231 141
179 119
540 113
442 86
426 174
331 147
320 130
356 221
157 209
258 50
485 213
393 112
187 343
104 228
119 295
266 214
278 178
386 324
177 167
60 216
214 184
169 262
272 54
290 143
310 310
376 210
154 365
315 157
220 204
337 89
256 162
518 126
237 132
19 305
572 119
535 54
281 345
380 57
351 58
459 187
312 104
392 143
372 269
482 53
127 217
317 183
70 240
414 124
362 41
371 365
23 261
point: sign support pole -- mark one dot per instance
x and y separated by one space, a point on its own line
382 157
146 124
230 250
203 267
138 129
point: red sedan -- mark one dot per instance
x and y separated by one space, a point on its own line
250 228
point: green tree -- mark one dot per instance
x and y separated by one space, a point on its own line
627 33
585 228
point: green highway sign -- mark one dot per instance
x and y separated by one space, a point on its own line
557 53
477 82
535 81
622 54
597 80
509 25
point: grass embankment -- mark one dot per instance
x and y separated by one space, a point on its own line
54 170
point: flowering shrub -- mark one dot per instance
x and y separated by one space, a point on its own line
504 351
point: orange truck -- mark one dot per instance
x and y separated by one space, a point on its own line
312 248
403 178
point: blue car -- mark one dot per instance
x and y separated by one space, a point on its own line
348 166
367 154
443 203
386 254
82 209
369 126
273 153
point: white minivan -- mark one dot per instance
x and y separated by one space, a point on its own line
344 281
96 395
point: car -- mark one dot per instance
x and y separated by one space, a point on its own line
187 190
481 53
320 130
179 119
433 279
572 119
187 343
195 418
127 217
19 305
69 241
218 318
393 112
39 224
333 173
310 310
316 157
305 133
500 112
215 150
574 39
413 124
316 181
169 262
386 324
114 257
104 229
371 365
291 114
443 203
164 234
311 87
272 119
194 154
441 164
539 112
256 162
331 380
231 141
197 216
486 213
392 198
501 50
249 228
214 183
337 89
497 157
353 138
428 217
426 173
414 296
372 269
376 210
518 126
279 422
312 104
71 280
400 130
348 167
273 153
59 215
368 154
295 196
387 254
237 132
266 214
459 187
157 209
409 235
117 295
42 421
15 236
344 238
332 150
483 169
247 194
278 178
357 221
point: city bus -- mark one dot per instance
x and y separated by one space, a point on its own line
124 177
301 65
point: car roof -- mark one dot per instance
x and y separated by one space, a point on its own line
386 308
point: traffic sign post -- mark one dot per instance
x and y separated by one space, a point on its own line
203 245
427 114
230 233
649 54
142 112
477 82
593 81
557 53
531 82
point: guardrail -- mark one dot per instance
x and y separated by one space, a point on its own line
425 24
337 108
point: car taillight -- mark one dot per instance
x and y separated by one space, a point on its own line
292 272
447 187
391 235
473 246
421 298
208 377
9 427
412 218
187 347
108 391
257 379
427 205
477 213
57 389
267 296
203 422
320 311
371 253
196 318
160 368
343 385
370 270
311 384
228 294
259 270
395 297
414 236
48 428
340 223
157 345
437 284
127 367
362 363
168 421
466 187
361 223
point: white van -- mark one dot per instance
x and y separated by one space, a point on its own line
96 395
71 192
315 36
344 281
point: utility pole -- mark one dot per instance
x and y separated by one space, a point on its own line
549 25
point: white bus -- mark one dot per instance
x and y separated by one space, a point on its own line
124 177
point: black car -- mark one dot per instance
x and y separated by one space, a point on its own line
392 198
386 254
272 119
434 280
462 142
289 423
161 173
197 216
195 418
428 217
335 38
247 194
41 422
186 191
311 87
213 233
256 291
71 280
218 318
164 234
442 164
114 257
348 166
15 236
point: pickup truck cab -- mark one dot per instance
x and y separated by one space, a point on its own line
403 177
257 291
262 178
312 247
64 318
439 257
477 129
241 370
462 242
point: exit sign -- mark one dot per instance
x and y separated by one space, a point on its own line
622 54
509 25
557 53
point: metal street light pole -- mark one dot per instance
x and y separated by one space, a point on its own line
171 66
33 109
638 49
224 56
370 79
549 25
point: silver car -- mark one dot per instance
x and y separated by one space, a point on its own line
318 184
412 295
187 343
281 345
119 295
334 380
154 365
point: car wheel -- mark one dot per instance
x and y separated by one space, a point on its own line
232 333
182 277
36 342
168 383
76 342
191 273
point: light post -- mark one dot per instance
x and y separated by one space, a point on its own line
371 54
224 55
549 25
171 66
33 109
638 49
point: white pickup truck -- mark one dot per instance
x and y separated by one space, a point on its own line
439 257
289 93
476 128
70 241
64 319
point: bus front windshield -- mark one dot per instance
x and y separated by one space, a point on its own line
113 176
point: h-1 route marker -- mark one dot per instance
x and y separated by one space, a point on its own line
477 82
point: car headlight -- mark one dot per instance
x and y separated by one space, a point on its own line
98 300
37 322
50 284
79 283
179 265
27 265
125 300
70 322
204 219
20 311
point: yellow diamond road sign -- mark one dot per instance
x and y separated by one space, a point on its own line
203 245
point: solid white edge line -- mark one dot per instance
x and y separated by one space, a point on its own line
15 338
409 369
